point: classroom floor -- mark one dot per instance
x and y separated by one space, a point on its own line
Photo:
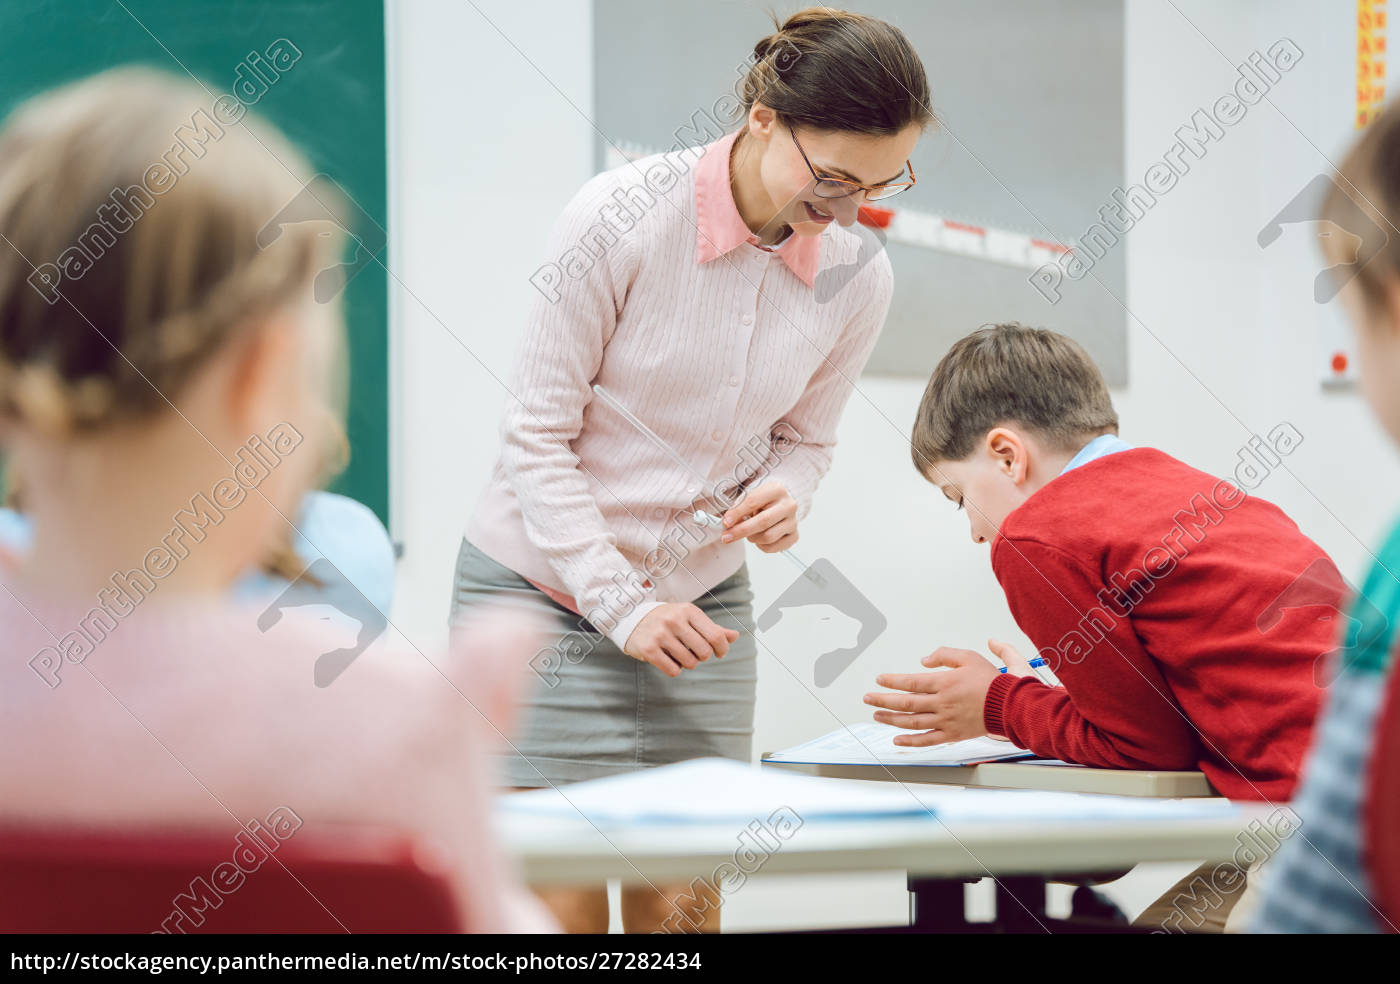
783 902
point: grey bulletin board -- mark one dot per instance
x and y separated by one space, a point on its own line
1030 95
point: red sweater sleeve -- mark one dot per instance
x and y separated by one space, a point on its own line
1115 709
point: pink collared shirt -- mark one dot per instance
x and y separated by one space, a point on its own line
740 358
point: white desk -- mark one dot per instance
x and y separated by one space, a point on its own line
558 851
938 856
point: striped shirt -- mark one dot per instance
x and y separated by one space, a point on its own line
740 358
1317 882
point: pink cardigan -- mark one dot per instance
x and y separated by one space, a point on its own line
657 290
186 715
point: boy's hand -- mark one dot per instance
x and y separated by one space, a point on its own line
1016 664
942 706
766 516
678 636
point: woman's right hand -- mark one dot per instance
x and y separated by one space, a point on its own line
677 636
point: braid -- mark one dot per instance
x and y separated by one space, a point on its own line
154 361
113 336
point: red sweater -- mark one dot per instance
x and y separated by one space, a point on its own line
1170 606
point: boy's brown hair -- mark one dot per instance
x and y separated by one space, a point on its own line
1010 374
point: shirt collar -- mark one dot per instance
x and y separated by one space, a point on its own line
720 228
1099 447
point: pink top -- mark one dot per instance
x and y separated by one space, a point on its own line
739 357
189 715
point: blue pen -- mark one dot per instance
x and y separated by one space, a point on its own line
1036 664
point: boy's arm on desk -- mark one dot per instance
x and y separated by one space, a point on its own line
1115 709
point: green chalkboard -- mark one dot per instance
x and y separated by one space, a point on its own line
330 103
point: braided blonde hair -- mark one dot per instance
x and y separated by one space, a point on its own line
122 332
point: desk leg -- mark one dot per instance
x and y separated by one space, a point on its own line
1020 904
936 905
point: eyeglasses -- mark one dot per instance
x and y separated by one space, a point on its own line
840 188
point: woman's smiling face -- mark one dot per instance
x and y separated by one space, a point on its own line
788 185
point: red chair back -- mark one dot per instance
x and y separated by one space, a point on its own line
1383 805
326 880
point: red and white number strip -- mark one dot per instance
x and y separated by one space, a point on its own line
914 228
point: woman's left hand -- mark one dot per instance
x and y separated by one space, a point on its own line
766 516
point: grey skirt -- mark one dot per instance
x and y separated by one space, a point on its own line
599 712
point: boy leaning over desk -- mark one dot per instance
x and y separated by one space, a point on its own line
1185 618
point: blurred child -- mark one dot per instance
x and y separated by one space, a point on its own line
1318 882
1139 579
163 400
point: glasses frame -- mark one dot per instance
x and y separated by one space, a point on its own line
853 186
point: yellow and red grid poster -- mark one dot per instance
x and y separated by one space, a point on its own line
1370 60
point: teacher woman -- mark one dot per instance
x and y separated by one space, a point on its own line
699 288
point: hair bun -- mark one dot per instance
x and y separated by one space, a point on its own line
836 70
779 50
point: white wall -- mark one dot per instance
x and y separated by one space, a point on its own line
484 152
1239 319
1222 338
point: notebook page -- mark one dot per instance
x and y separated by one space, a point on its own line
872 743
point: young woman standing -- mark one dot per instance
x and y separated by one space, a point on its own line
698 289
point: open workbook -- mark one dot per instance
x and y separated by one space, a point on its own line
871 743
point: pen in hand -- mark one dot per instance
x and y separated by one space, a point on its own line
1036 664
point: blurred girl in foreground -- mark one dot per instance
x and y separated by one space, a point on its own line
124 403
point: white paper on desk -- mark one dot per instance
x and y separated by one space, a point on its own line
707 791
714 789
872 743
